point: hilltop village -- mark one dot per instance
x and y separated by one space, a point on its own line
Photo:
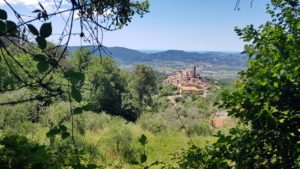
188 81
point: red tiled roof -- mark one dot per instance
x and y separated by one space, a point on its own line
189 88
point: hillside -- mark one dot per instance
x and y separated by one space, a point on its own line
125 55
220 66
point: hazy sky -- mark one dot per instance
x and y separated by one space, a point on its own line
195 25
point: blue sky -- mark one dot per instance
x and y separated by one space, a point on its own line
192 25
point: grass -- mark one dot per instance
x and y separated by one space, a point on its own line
160 146
112 140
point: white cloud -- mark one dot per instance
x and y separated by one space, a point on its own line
23 2
33 2
49 5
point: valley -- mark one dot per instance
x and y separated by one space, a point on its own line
220 66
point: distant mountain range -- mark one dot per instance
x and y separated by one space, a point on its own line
130 56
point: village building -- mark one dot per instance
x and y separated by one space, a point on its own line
188 89
188 81
220 119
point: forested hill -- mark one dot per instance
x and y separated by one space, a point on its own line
125 55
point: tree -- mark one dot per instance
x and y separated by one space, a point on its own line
103 76
31 41
266 100
18 151
94 17
143 83
30 34
7 80
268 94
82 58
109 89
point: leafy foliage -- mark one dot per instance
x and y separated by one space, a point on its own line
29 61
266 100
18 152
83 58
168 90
143 84
104 78
151 122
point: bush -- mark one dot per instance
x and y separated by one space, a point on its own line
55 113
179 100
94 121
17 151
16 119
121 142
159 104
168 90
197 128
152 123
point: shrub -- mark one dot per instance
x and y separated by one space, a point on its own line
159 104
197 128
168 90
94 121
152 123
55 113
16 119
121 142
179 100
17 151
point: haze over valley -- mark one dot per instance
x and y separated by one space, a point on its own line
211 65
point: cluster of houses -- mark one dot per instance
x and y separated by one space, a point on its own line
188 81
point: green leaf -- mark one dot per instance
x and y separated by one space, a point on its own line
39 57
143 139
2 27
32 29
54 131
11 27
155 163
46 30
75 77
3 14
143 158
92 166
63 128
65 135
78 110
281 120
276 84
76 95
87 107
134 162
43 64
36 11
41 42
264 83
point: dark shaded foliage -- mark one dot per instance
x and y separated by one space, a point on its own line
266 100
